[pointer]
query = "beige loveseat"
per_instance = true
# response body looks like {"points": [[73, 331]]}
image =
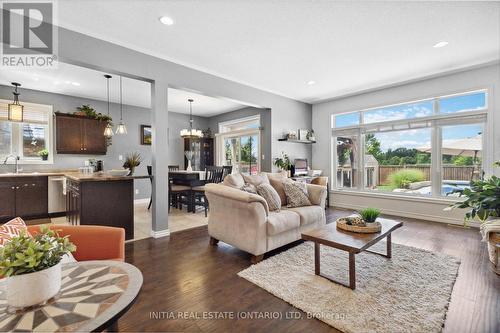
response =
{"points": [[243, 219]]}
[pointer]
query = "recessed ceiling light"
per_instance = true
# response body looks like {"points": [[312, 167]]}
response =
{"points": [[166, 20], [75, 83], [440, 44], [310, 83]]}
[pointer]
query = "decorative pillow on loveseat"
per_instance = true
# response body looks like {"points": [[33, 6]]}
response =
{"points": [[12, 229], [257, 179], [296, 193], [269, 194]]}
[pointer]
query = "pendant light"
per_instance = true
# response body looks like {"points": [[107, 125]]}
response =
{"points": [[191, 133], [16, 109], [108, 131], [121, 126]]}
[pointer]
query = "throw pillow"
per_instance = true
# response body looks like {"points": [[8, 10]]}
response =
{"points": [[270, 195], [250, 188], [12, 229], [296, 194], [256, 179], [276, 181], [234, 180]]}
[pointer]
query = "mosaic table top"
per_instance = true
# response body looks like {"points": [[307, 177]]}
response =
{"points": [[93, 294]]}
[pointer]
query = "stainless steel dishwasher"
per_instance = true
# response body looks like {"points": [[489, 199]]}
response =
{"points": [[57, 195]]}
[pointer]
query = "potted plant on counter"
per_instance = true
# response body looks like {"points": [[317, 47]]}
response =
{"points": [[32, 266], [132, 161], [482, 200], [44, 154]]}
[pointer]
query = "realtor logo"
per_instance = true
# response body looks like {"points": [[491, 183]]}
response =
{"points": [[29, 34]]}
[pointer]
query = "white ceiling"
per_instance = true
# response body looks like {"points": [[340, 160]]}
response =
{"points": [[279, 46], [83, 82]]}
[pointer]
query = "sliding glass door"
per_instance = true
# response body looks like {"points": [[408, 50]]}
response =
{"points": [[242, 152]]}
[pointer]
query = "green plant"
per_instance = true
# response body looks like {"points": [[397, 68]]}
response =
{"points": [[43, 152], [91, 113], [24, 254], [369, 215], [496, 164], [403, 178], [283, 162], [482, 199], [87, 110], [132, 160]]}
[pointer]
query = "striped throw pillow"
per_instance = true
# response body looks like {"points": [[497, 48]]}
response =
{"points": [[269, 194]]}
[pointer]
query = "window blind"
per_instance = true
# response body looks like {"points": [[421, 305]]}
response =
{"points": [[32, 113]]}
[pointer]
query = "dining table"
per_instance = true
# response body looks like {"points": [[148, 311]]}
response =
{"points": [[189, 178]]}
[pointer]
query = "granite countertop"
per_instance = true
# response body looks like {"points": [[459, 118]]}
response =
{"points": [[74, 175]]}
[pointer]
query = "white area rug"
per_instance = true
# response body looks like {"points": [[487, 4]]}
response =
{"points": [[408, 293]]}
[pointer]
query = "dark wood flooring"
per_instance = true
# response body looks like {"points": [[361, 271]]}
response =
{"points": [[183, 274]]}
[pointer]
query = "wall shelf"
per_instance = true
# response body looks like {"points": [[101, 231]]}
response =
{"points": [[307, 142]]}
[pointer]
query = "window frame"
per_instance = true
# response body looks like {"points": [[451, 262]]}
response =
{"points": [[437, 121], [17, 137]]}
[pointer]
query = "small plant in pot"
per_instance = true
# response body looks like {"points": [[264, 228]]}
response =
{"points": [[132, 161], [482, 200], [32, 266], [369, 215], [44, 154], [283, 162]]}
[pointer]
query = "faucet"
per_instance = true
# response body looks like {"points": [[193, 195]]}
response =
{"points": [[16, 158]]}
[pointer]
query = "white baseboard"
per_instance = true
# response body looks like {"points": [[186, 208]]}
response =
{"points": [[419, 216], [141, 201], [161, 233]]}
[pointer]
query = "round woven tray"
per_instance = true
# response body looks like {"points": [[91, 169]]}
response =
{"points": [[369, 229]]}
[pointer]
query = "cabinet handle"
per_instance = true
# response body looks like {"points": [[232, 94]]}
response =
{"points": [[33, 184], [25, 185], [84, 148], [13, 187], [17, 187]]}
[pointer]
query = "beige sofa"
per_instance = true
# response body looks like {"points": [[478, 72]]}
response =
{"points": [[243, 219]]}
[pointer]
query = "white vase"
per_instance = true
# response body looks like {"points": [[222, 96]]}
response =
{"points": [[189, 168], [33, 288]]}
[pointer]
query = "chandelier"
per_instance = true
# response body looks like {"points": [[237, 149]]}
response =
{"points": [[191, 133]]}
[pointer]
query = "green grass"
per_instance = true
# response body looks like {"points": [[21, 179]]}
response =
{"points": [[403, 178]]}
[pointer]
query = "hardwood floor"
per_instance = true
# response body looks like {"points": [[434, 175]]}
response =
{"points": [[184, 274]]}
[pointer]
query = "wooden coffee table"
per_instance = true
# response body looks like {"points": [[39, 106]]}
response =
{"points": [[351, 242]]}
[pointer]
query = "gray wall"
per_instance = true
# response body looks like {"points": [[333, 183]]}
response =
{"points": [[177, 122], [265, 122], [122, 144]]}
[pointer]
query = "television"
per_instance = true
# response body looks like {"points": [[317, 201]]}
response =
{"points": [[300, 167]]}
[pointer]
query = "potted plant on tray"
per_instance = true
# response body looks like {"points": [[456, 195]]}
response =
{"points": [[44, 154], [32, 266], [482, 200]]}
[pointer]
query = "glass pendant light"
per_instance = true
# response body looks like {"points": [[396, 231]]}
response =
{"points": [[108, 131], [16, 109], [191, 133], [121, 129]]}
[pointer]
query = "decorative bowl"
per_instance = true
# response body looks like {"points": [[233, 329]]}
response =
{"points": [[119, 172]]}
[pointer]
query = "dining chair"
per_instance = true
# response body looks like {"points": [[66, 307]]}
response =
{"points": [[228, 169], [150, 173], [323, 181], [213, 174]]}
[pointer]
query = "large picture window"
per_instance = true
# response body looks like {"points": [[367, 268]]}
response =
{"points": [[432, 147], [28, 138]]}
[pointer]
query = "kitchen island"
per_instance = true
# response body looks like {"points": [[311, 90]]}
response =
{"points": [[91, 199]]}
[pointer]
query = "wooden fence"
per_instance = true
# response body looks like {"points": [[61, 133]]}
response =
{"points": [[450, 172]]}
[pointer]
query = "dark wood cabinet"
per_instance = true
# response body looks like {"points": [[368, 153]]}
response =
{"points": [[107, 203], [203, 149], [7, 200], [26, 197], [80, 135]]}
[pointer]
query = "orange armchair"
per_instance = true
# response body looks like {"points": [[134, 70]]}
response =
{"points": [[92, 242]]}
